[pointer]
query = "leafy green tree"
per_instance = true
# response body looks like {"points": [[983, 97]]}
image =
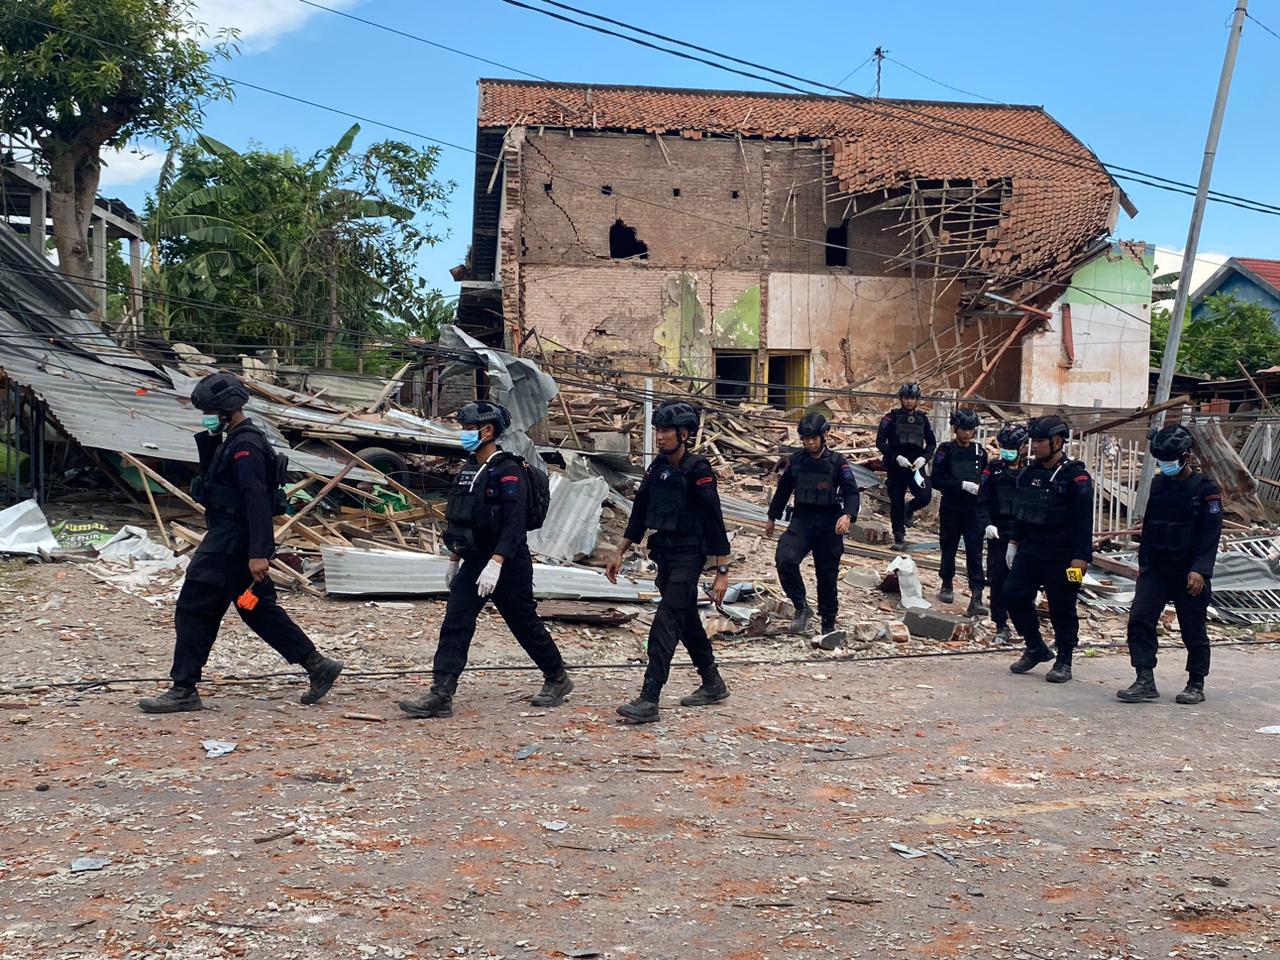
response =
{"points": [[330, 242], [1228, 330], [82, 76]]}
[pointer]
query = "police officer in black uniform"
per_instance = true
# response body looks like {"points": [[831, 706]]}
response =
{"points": [[997, 493], [240, 489], [1180, 534], [678, 502], [826, 505], [906, 442], [957, 469], [1052, 534], [489, 558]]}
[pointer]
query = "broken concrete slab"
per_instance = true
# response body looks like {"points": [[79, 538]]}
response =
{"points": [[938, 625]]}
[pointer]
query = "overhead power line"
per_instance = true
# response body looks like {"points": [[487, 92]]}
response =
{"points": [[885, 109]]}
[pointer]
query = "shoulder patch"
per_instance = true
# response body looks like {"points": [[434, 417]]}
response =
{"points": [[242, 453], [1215, 504], [703, 481], [511, 478]]}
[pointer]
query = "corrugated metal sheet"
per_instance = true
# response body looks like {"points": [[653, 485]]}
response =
{"points": [[350, 572], [107, 408], [516, 383], [572, 526]]}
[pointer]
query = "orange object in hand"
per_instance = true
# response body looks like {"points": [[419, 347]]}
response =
{"points": [[247, 600]]}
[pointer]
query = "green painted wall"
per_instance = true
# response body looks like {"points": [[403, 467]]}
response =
{"points": [[737, 327], [1116, 277]]}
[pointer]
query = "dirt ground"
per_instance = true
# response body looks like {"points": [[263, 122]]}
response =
{"points": [[1052, 822]]}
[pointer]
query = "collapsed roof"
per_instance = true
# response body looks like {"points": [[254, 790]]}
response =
{"points": [[1058, 198]]}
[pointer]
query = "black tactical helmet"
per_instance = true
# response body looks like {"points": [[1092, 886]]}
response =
{"points": [[1171, 443], [1046, 428], [813, 425], [1012, 436], [909, 390], [965, 419], [481, 412], [219, 393], [676, 413]]}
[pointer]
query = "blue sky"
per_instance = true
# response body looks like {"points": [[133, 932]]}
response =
{"points": [[1134, 81]]}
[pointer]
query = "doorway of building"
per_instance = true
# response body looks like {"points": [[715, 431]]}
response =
{"points": [[734, 373], [788, 378]]}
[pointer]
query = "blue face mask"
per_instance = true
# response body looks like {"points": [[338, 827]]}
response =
{"points": [[212, 422], [1170, 468], [1009, 455], [470, 440]]}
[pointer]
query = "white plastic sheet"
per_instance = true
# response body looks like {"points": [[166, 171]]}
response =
{"points": [[25, 529]]}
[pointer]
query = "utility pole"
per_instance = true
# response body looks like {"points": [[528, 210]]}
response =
{"points": [[1165, 384]]}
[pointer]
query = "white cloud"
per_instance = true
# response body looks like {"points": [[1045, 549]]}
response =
{"points": [[260, 22], [130, 165], [1170, 261]]}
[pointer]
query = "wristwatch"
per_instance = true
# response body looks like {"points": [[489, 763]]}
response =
{"points": [[723, 568]]}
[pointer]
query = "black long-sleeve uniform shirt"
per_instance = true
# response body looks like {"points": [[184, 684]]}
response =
{"points": [[887, 444], [704, 502], [244, 465], [1071, 489], [846, 486], [1199, 506], [997, 479]]}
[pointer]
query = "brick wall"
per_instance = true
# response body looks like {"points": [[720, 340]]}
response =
{"points": [[569, 223]]}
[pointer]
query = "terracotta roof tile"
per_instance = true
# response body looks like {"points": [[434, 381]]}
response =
{"points": [[1268, 270], [1061, 196]]}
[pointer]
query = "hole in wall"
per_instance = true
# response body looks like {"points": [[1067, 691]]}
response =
{"points": [[546, 187], [607, 190], [624, 244], [675, 191], [837, 248], [733, 194]]}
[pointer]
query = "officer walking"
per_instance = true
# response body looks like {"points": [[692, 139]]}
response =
{"points": [[489, 559], [906, 442], [240, 489], [1180, 534], [678, 502], [826, 504], [1051, 546], [997, 493], [957, 468]]}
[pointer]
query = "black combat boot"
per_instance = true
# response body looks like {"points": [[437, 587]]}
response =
{"points": [[801, 621], [640, 710], [1003, 633], [976, 609], [713, 690], [323, 672], [1194, 692], [1031, 657], [1143, 688], [437, 703], [946, 594], [1060, 672], [900, 546], [554, 690], [177, 699]]}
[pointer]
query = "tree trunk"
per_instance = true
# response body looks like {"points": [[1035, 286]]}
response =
{"points": [[73, 181], [335, 320]]}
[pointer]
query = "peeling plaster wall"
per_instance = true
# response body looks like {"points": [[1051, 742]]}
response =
{"points": [[644, 317], [1112, 340], [851, 324]]}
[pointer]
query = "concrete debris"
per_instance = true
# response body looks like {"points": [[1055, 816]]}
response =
{"points": [[88, 864], [216, 749], [939, 625]]}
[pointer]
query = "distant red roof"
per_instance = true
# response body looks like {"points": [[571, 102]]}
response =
{"points": [[1061, 197], [1268, 270]]}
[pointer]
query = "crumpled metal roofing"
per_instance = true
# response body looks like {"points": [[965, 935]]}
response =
{"points": [[352, 572], [572, 526], [1061, 196]]}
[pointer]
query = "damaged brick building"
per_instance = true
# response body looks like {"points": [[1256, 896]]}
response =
{"points": [[791, 241]]}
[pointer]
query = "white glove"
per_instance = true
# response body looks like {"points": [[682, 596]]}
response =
{"points": [[917, 463], [992, 532], [969, 486], [1009, 554], [488, 578], [452, 572], [903, 462]]}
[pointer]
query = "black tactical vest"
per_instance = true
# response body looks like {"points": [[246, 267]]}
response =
{"points": [[1174, 512], [467, 512], [216, 489], [964, 462], [668, 511], [908, 429], [1044, 496], [1004, 486], [816, 480]]}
